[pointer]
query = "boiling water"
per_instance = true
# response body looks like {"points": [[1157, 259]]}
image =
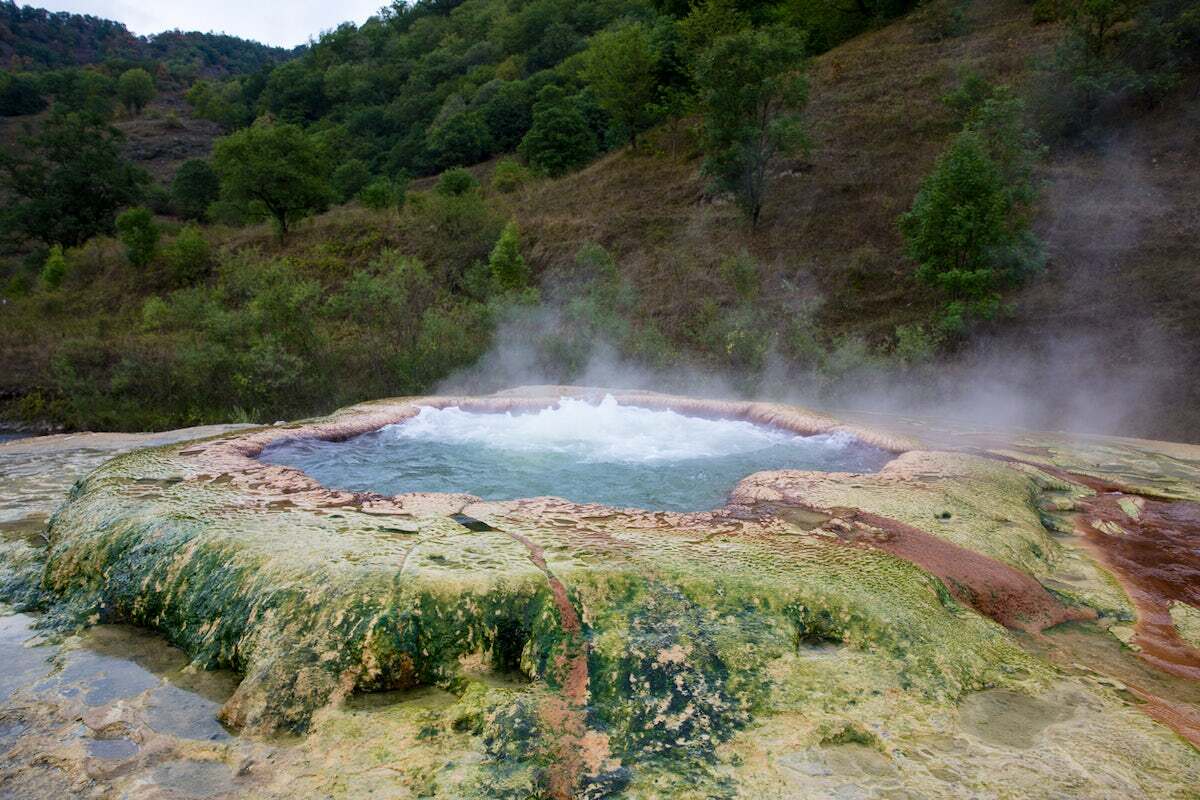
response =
{"points": [[597, 453]]}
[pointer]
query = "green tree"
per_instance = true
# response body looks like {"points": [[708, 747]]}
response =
{"points": [[751, 91], [709, 21], [195, 188], [508, 269], [65, 184], [620, 68], [276, 167], [507, 110], [456, 182], [509, 175], [19, 95], [461, 139], [139, 233], [967, 231], [1096, 22], [561, 139], [384, 193], [55, 268], [135, 88], [349, 179]]}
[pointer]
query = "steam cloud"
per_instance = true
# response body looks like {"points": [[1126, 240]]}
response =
{"points": [[1071, 362]]}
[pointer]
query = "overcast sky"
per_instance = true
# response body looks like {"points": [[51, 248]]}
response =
{"points": [[271, 21]]}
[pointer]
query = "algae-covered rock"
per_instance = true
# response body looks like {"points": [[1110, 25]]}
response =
{"points": [[579, 650]]}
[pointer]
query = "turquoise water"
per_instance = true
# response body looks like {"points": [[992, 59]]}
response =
{"points": [[590, 453]]}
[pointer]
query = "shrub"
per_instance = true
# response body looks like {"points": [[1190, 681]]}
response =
{"points": [[138, 232], [187, 257], [19, 95], [55, 268], [741, 273], [383, 193], [508, 269], [509, 175], [914, 345], [135, 88], [943, 20], [349, 179], [195, 187], [456, 182]]}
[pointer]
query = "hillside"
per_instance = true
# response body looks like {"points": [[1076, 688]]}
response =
{"points": [[33, 38], [1107, 338], [819, 302]]}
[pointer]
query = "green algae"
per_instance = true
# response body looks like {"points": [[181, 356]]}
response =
{"points": [[700, 636], [1186, 619]]}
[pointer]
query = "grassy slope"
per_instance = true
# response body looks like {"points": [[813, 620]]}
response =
{"points": [[1119, 222], [829, 227], [1121, 288]]}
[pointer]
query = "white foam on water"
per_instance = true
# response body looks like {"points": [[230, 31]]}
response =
{"points": [[605, 432]]}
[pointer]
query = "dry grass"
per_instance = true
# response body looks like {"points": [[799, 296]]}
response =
{"points": [[829, 229]]}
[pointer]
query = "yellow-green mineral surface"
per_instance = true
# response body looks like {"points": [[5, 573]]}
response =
{"points": [[980, 618]]}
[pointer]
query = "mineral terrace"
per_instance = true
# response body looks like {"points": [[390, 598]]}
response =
{"points": [[988, 616]]}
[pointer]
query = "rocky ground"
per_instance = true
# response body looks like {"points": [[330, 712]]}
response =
{"points": [[988, 616]]}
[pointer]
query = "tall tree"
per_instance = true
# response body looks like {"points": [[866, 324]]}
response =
{"points": [[560, 139], [751, 91], [278, 167], [620, 68], [195, 188], [66, 183]]}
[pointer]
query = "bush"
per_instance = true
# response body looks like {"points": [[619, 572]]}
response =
{"points": [[138, 232], [462, 139], [914, 345], [195, 187], [349, 179], [135, 88], [19, 95], [508, 269], [456, 182], [383, 193], [55, 268], [509, 175], [187, 257], [453, 231]]}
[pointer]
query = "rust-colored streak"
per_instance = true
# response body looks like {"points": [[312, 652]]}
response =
{"points": [[576, 750], [992, 588], [1156, 557], [1183, 719]]}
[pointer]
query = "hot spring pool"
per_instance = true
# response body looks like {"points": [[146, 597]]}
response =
{"points": [[590, 453]]}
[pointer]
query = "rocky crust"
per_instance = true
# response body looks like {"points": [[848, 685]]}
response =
{"points": [[588, 651]]}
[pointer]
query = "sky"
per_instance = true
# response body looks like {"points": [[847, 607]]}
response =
{"points": [[269, 21]]}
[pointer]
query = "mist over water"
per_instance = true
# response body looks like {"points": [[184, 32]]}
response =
{"points": [[1121, 382], [596, 453]]}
